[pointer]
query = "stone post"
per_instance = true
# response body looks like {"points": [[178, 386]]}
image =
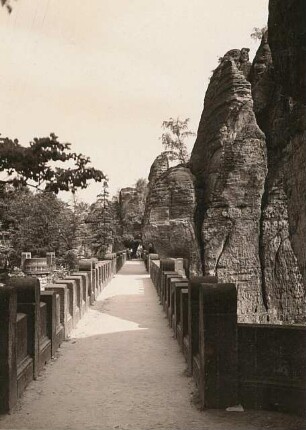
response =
{"points": [[150, 257], [8, 365], [218, 346], [28, 302], [75, 298], [24, 257], [49, 297], [193, 315]]}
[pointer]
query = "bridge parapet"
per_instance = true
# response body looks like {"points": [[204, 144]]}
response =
{"points": [[259, 366], [33, 324]]}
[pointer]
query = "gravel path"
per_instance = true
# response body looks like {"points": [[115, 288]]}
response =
{"points": [[122, 369]]}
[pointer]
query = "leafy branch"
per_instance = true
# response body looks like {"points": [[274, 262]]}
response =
{"points": [[173, 139], [34, 164]]}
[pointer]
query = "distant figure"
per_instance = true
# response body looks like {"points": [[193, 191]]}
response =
{"points": [[134, 248], [151, 248], [139, 251]]}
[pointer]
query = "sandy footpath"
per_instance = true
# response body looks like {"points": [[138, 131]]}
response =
{"points": [[122, 369]]}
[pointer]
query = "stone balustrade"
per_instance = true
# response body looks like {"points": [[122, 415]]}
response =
{"points": [[258, 366], [34, 323]]}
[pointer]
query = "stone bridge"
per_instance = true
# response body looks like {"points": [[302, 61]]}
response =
{"points": [[95, 351]]}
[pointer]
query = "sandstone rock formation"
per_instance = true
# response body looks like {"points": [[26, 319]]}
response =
{"points": [[169, 216], [282, 118], [229, 163], [252, 219], [248, 170], [287, 39], [159, 166]]}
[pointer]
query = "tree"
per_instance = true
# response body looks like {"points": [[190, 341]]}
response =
{"points": [[173, 139], [100, 219], [258, 32], [37, 223], [36, 166], [79, 227], [7, 4], [141, 186]]}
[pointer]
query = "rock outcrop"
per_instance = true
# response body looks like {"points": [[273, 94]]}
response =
{"points": [[243, 202], [282, 118], [169, 216], [287, 39], [249, 161], [159, 166], [229, 163]]}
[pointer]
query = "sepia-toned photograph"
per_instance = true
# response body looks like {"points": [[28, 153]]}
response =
{"points": [[153, 214]]}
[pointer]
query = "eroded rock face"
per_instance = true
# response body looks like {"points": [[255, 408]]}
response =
{"points": [[262, 79], [282, 229], [229, 163], [241, 59], [252, 218], [287, 39], [169, 217], [159, 166], [249, 164]]}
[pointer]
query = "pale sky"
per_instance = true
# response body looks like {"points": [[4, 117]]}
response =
{"points": [[104, 74]]}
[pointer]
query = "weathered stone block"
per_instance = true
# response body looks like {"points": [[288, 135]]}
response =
{"points": [[45, 336], [66, 306], [218, 346], [193, 317], [25, 371], [74, 298], [169, 297], [81, 292], [175, 302], [86, 286], [272, 367], [28, 302], [8, 362], [55, 328]]}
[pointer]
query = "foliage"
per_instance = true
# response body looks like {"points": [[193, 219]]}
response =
{"points": [[60, 272], [70, 259], [79, 228], [141, 186], [258, 32], [7, 257], [16, 272], [173, 139], [7, 4], [127, 240], [37, 223], [101, 222], [34, 165]]}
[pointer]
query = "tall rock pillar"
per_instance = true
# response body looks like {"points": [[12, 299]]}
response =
{"points": [[229, 163]]}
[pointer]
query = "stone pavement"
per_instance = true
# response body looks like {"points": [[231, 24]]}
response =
{"points": [[122, 369]]}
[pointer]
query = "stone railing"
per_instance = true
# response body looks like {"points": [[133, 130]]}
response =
{"points": [[257, 366], [34, 323]]}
